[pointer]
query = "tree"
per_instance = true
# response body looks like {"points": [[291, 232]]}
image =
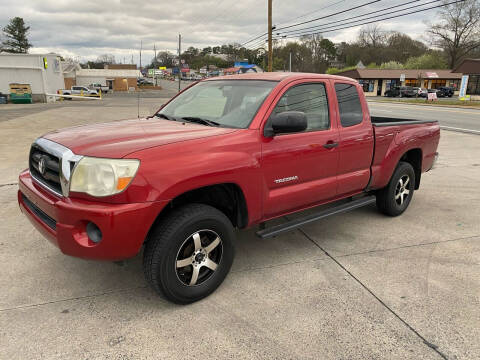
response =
{"points": [[458, 32], [16, 37], [106, 59], [426, 61]]}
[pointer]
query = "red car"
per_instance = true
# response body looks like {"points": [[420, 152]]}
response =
{"points": [[229, 152]]}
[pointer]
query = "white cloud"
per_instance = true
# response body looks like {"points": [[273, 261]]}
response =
{"points": [[90, 28]]}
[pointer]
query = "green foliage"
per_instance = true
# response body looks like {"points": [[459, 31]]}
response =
{"points": [[393, 65], [426, 61], [16, 37], [334, 70]]}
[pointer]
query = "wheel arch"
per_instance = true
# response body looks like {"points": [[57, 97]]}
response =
{"points": [[228, 198], [414, 157]]}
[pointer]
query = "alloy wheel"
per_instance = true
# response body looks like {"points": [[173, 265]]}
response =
{"points": [[198, 257]]}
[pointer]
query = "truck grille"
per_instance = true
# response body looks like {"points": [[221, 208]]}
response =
{"points": [[45, 168]]}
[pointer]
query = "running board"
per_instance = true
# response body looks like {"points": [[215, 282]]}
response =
{"points": [[293, 224]]}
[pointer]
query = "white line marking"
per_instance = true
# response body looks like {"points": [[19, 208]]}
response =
{"points": [[460, 129]]}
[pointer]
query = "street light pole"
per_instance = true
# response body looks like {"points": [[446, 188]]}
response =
{"points": [[270, 50], [179, 61]]}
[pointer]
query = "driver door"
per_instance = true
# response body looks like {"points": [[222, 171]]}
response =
{"points": [[299, 169]]}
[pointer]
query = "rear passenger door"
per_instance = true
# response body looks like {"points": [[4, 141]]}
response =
{"points": [[356, 139], [299, 169]]}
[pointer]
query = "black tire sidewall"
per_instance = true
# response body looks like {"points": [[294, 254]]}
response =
{"points": [[402, 170], [204, 218]]}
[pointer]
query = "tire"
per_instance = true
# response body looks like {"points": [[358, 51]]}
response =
{"points": [[175, 238], [394, 199]]}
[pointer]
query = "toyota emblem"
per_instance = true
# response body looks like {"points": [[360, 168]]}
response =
{"points": [[41, 166]]}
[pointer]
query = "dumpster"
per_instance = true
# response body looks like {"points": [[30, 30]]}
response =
{"points": [[20, 93]]}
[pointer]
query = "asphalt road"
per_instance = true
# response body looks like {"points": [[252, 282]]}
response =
{"points": [[450, 118]]}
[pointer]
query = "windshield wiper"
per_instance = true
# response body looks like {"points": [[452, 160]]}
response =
{"points": [[200, 121], [163, 116]]}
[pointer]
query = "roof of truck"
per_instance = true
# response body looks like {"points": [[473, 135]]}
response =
{"points": [[277, 76]]}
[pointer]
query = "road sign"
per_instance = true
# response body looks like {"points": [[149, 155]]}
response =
{"points": [[463, 86], [402, 77], [432, 96]]}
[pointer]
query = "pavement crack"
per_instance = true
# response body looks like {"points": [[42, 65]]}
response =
{"points": [[21, 307], [410, 327], [9, 184], [408, 246]]}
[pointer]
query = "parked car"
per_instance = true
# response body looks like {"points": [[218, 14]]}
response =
{"points": [[440, 93], [447, 91], [401, 91], [422, 92], [80, 90], [144, 81], [228, 152], [98, 87]]}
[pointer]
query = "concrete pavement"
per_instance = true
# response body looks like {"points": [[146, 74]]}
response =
{"points": [[356, 286]]}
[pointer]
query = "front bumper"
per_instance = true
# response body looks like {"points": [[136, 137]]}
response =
{"points": [[63, 222]]}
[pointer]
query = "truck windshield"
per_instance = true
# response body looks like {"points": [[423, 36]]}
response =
{"points": [[229, 103]]}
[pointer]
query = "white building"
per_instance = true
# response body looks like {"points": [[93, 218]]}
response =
{"points": [[42, 71]]}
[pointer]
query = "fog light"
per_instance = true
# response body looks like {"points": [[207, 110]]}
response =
{"points": [[94, 233]]}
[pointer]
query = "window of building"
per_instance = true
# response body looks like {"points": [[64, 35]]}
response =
{"points": [[310, 99], [473, 87], [455, 84], [367, 85], [436, 83], [348, 104], [412, 82]]}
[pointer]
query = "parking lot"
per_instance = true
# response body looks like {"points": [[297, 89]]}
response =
{"points": [[355, 286]]}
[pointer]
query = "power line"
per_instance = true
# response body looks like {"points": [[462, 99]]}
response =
{"points": [[329, 15], [370, 22], [313, 12], [322, 26], [353, 17]]}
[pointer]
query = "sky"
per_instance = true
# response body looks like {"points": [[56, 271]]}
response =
{"points": [[86, 29]]}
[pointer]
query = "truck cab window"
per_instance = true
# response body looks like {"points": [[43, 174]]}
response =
{"points": [[310, 99], [348, 104]]}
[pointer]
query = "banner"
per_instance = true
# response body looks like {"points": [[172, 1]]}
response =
{"points": [[463, 86]]}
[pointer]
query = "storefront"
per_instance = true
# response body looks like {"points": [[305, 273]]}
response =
{"points": [[375, 82], [471, 67]]}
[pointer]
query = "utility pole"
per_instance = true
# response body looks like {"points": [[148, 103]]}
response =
{"points": [[155, 64], [270, 50], [141, 44], [290, 63], [179, 61]]}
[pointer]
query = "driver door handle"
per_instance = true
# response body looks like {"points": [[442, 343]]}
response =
{"points": [[330, 145]]}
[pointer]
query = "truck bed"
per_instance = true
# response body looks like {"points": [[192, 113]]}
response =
{"points": [[388, 121]]}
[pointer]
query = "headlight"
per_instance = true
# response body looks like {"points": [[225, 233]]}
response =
{"points": [[103, 177]]}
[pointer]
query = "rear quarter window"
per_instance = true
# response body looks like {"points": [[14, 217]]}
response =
{"points": [[348, 104]]}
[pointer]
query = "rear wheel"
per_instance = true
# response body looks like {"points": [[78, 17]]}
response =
{"points": [[189, 253], [394, 199]]}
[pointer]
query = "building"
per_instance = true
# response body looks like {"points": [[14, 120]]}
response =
{"points": [[115, 79], [376, 82], [471, 67], [43, 72]]}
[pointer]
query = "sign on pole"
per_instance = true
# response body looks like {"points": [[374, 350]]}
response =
{"points": [[463, 86]]}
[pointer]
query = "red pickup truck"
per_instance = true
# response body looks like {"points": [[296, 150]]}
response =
{"points": [[229, 152]]}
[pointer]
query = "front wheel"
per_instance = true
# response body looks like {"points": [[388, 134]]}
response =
{"points": [[189, 253], [394, 199]]}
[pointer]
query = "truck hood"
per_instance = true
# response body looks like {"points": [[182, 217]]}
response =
{"points": [[120, 138]]}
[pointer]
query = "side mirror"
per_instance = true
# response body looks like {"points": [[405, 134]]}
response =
{"points": [[286, 122]]}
